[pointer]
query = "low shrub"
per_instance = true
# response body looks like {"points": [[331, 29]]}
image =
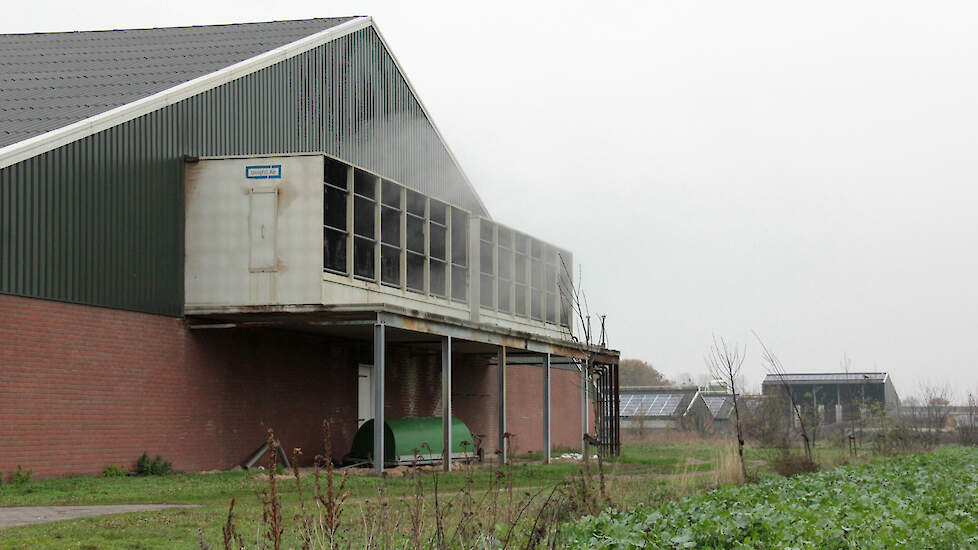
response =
{"points": [[113, 471], [21, 476], [788, 465], [154, 467]]}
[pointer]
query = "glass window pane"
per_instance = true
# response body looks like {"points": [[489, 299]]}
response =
{"points": [[460, 238], [364, 183], [437, 237], [335, 173], [415, 272], [536, 304], [390, 226], [505, 264], [521, 243], [549, 278], [390, 193], [438, 212], [415, 203], [363, 217], [520, 273], [536, 249], [505, 291], [549, 254], [504, 237], [460, 283], [334, 251], [551, 300], [536, 274], [436, 278], [486, 284], [520, 300], [390, 265], [334, 207], [485, 230], [485, 257], [565, 309], [363, 258], [415, 234]]}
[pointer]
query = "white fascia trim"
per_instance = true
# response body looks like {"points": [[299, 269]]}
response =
{"points": [[696, 396], [431, 120], [23, 150]]}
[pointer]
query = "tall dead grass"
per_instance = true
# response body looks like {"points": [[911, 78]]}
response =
{"points": [[499, 516]]}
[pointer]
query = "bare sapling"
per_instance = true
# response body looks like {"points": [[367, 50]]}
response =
{"points": [[846, 365], [725, 362], [776, 368]]}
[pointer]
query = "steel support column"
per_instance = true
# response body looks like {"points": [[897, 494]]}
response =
{"points": [[584, 407], [546, 408], [379, 352], [446, 400], [501, 400]]}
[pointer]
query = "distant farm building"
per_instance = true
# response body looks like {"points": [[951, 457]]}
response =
{"points": [[836, 397], [721, 406], [662, 407]]}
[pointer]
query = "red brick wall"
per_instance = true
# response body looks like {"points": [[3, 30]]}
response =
{"points": [[475, 400], [524, 418], [82, 387]]}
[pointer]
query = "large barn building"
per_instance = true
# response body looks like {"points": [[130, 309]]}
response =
{"points": [[207, 231], [835, 397]]}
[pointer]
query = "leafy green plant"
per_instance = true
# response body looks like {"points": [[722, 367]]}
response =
{"points": [[21, 476], [914, 501], [154, 467], [113, 471]]}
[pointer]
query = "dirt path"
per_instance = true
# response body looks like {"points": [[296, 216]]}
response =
{"points": [[26, 515]]}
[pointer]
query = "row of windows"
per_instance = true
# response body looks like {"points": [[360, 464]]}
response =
{"points": [[523, 276], [383, 232]]}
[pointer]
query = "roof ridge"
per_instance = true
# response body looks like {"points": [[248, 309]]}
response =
{"points": [[207, 26]]}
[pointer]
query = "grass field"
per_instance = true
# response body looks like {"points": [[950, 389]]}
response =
{"points": [[479, 501]]}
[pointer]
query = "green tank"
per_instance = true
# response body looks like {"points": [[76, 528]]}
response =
{"points": [[413, 440]]}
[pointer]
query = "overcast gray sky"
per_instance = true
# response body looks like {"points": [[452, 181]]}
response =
{"points": [[806, 171]]}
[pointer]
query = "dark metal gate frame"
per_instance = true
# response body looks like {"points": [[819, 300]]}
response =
{"points": [[607, 407]]}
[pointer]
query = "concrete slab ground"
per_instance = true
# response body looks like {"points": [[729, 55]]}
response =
{"points": [[26, 515]]}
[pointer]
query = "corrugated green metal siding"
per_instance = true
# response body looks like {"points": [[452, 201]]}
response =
{"points": [[100, 221]]}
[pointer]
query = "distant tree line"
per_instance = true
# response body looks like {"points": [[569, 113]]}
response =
{"points": [[635, 372]]}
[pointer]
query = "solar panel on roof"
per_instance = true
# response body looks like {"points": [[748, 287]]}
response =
{"points": [[715, 403], [644, 404]]}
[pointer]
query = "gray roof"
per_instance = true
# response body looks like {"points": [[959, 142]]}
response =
{"points": [[51, 80], [720, 405], [653, 402], [828, 378]]}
